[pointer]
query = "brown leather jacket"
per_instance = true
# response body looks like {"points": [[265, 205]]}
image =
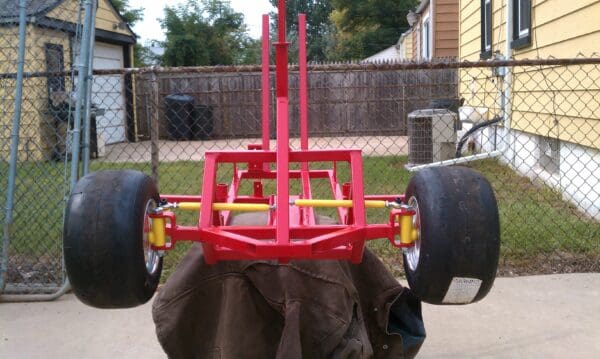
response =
{"points": [[305, 309]]}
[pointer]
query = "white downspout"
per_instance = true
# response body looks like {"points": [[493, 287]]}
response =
{"points": [[507, 105]]}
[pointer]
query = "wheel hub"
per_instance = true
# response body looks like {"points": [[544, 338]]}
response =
{"points": [[413, 253], [151, 257]]}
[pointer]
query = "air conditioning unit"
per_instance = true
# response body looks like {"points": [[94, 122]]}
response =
{"points": [[431, 136]]}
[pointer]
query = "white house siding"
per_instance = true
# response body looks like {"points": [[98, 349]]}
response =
{"points": [[578, 174], [391, 54]]}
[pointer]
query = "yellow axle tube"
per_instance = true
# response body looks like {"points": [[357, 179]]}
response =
{"points": [[259, 207], [335, 203], [241, 207]]}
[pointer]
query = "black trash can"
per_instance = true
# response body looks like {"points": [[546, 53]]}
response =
{"points": [[180, 113], [202, 126]]}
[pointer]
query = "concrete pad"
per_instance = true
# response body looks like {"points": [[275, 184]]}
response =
{"points": [[551, 316], [172, 151], [67, 328]]}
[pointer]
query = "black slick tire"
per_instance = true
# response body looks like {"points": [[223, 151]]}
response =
{"points": [[455, 258], [108, 259]]}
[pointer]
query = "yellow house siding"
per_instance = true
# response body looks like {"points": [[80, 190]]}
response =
{"points": [[470, 28], [409, 46], [106, 18], [559, 28], [66, 11], [36, 131], [563, 29], [547, 102], [571, 129], [38, 128], [415, 43], [498, 26], [583, 45], [8, 61], [559, 104], [44, 134]]}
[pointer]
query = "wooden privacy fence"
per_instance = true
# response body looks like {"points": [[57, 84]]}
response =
{"points": [[341, 102]]}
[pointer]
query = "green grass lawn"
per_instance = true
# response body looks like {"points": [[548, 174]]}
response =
{"points": [[534, 219]]}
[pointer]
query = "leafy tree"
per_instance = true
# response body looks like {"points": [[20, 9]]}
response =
{"points": [[251, 52], [207, 32], [146, 55], [318, 26], [131, 16], [364, 27], [141, 54]]}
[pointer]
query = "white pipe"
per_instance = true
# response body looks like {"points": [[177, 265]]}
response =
{"points": [[456, 161], [508, 70], [507, 105], [8, 298]]}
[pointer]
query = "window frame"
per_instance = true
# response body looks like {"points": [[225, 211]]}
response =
{"points": [[426, 38], [486, 29], [56, 53], [549, 154], [521, 24]]}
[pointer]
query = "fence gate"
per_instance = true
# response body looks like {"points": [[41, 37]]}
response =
{"points": [[45, 52]]}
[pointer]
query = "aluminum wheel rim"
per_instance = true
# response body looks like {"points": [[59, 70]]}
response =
{"points": [[413, 253], [151, 257]]}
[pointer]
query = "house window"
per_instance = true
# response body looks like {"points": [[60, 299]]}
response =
{"points": [[486, 29], [549, 158], [426, 38], [521, 24], [55, 62]]}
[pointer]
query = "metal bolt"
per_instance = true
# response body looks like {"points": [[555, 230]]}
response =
{"points": [[385, 347]]}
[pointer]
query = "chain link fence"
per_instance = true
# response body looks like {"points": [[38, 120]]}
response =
{"points": [[37, 103], [532, 127]]}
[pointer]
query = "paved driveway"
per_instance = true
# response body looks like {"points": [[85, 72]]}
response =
{"points": [[194, 150], [555, 316]]}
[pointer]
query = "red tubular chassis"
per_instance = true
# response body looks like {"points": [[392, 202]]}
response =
{"points": [[291, 235]]}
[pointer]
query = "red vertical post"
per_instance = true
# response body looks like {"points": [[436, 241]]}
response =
{"points": [[308, 216], [283, 135], [208, 197], [283, 174], [358, 203], [303, 82], [266, 85], [281, 53]]}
